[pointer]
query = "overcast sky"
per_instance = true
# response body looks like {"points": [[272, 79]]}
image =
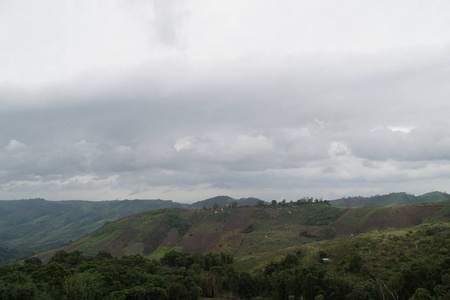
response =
{"points": [[190, 99]]}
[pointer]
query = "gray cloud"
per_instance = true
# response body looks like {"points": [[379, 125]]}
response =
{"points": [[269, 130], [167, 20]]}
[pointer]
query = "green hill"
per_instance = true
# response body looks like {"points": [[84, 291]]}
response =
{"points": [[410, 263], [39, 225], [36, 225], [246, 231], [223, 201], [390, 199]]}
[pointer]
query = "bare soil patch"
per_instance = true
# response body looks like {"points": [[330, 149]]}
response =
{"points": [[121, 242], [171, 238], [238, 219], [202, 242], [154, 238]]}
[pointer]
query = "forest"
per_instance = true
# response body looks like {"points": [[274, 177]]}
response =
{"points": [[409, 263]]}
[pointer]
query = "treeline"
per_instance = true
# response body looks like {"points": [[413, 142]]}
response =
{"points": [[275, 203], [398, 265], [73, 275], [298, 202]]}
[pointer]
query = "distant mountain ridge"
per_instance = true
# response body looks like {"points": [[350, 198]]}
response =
{"points": [[222, 201], [390, 199]]}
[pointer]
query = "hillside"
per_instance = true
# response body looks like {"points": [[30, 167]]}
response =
{"points": [[246, 231], [36, 225], [223, 201], [10, 255], [410, 263], [390, 199], [39, 225]]}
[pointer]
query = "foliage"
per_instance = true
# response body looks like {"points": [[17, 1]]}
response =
{"points": [[401, 264], [176, 275], [398, 264], [248, 229], [11, 254], [176, 221], [43, 225]]}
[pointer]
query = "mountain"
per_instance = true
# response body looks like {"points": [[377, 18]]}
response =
{"points": [[222, 201], [390, 199], [246, 230], [39, 225], [36, 225]]}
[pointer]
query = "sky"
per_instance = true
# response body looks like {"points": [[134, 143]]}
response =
{"points": [[190, 99]]}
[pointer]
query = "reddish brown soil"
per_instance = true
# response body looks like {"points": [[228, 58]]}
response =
{"points": [[119, 243], [171, 238], [202, 242], [238, 219], [154, 238]]}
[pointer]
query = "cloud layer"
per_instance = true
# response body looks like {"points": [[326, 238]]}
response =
{"points": [[185, 122]]}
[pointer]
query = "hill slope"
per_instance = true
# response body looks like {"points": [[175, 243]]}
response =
{"points": [[36, 225], [246, 230], [398, 264], [39, 225]]}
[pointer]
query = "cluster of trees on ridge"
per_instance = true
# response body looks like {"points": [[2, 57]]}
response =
{"points": [[392, 265], [274, 203]]}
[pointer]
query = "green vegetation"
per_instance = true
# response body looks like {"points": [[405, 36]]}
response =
{"points": [[390, 199], [39, 225], [411, 263], [12, 254], [247, 230]]}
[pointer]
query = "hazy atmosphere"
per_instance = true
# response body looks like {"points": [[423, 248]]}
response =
{"points": [[189, 99]]}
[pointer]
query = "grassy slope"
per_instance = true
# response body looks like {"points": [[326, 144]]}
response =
{"points": [[380, 250]]}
